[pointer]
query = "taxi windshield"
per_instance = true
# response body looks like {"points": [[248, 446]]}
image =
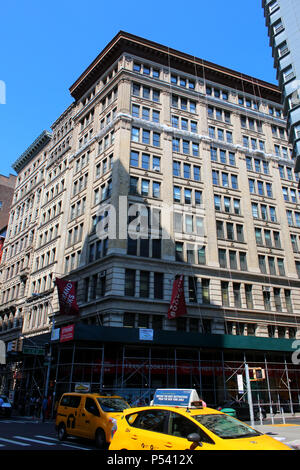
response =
{"points": [[112, 405], [225, 426]]}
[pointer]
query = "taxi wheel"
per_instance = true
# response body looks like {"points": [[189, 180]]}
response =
{"points": [[61, 433], [100, 439]]}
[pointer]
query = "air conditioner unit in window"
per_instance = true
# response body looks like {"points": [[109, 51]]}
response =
{"points": [[156, 168], [266, 289]]}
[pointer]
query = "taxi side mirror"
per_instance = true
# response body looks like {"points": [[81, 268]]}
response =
{"points": [[195, 439]]}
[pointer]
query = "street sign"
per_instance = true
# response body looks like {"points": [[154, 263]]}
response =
{"points": [[34, 350]]}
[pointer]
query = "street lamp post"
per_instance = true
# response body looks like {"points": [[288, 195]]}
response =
{"points": [[50, 354]]}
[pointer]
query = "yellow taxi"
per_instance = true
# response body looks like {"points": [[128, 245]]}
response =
{"points": [[89, 415], [176, 428]]}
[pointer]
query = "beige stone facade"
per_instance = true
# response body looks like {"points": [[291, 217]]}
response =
{"points": [[162, 129]]}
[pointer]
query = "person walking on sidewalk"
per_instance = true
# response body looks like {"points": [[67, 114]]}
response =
{"points": [[44, 408]]}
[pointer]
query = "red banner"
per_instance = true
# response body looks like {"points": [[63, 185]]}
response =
{"points": [[177, 306], [1, 247], [66, 333], [67, 297]]}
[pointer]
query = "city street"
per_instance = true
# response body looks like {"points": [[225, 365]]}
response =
{"points": [[17, 433]]}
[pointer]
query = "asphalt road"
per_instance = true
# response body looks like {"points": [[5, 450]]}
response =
{"points": [[23, 434]]}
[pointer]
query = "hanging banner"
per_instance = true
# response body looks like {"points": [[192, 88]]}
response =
{"points": [[177, 306], [67, 297], [2, 239]]}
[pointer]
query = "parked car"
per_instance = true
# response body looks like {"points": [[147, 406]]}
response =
{"points": [[6, 408], [242, 409]]}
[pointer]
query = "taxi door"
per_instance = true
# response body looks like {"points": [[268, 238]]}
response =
{"points": [[146, 430], [88, 420], [179, 427]]}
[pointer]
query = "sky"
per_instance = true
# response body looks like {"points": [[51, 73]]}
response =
{"points": [[45, 46]]}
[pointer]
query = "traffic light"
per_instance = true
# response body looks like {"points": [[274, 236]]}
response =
{"points": [[256, 374]]}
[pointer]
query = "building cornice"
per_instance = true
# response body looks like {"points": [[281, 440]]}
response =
{"points": [[40, 142], [168, 57]]}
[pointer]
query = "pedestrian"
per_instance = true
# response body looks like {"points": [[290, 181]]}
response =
{"points": [[49, 406], [32, 406], [44, 408], [37, 409]]}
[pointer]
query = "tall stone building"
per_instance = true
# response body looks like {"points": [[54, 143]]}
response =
{"points": [[162, 141], [282, 20]]}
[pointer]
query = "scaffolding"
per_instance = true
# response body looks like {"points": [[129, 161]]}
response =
{"points": [[135, 372]]}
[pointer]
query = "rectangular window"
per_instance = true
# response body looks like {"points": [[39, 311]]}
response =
{"points": [[130, 282]]}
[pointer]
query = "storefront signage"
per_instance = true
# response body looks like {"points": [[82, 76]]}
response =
{"points": [[55, 334], [146, 334], [35, 351], [82, 387], [67, 333]]}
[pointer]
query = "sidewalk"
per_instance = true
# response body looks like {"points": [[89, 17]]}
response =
{"points": [[287, 433]]}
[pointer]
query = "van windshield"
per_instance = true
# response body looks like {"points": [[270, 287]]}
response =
{"points": [[225, 426], [112, 405]]}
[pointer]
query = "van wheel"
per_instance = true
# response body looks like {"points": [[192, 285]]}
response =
{"points": [[100, 439], [61, 433]]}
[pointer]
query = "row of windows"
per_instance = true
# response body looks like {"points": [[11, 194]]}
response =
{"points": [[105, 165], [143, 112], [186, 195], [257, 165], [48, 235], [251, 124], [275, 265], [45, 259], [72, 261], [97, 250], [184, 124], [108, 118], [227, 204], [260, 187], [145, 161], [52, 212], [82, 161], [54, 191], [146, 92], [145, 288], [145, 136], [293, 218], [106, 142], [187, 223], [185, 104], [190, 253], [233, 259], [80, 184], [220, 134], [254, 143], [286, 172], [144, 187], [264, 212], [103, 192], [266, 237], [230, 231], [219, 114], [185, 146], [75, 234], [290, 194], [224, 179], [186, 170], [222, 156], [94, 286], [145, 247]]}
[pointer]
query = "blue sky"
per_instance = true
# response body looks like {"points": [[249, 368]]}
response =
{"points": [[45, 46]]}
